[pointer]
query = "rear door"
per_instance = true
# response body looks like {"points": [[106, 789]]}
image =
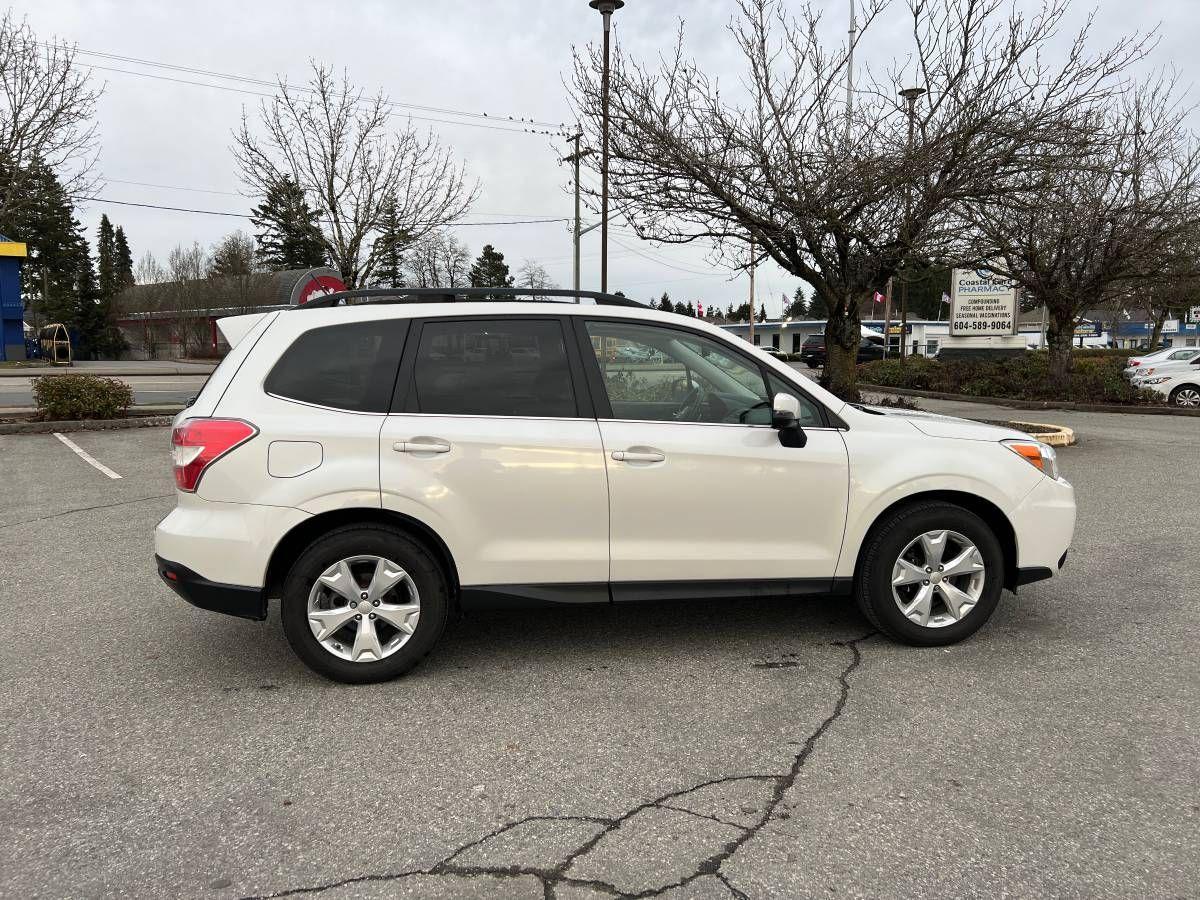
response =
{"points": [[701, 490], [492, 442]]}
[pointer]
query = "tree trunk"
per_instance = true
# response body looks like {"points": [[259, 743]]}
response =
{"points": [[1059, 334], [1160, 319], [843, 333]]}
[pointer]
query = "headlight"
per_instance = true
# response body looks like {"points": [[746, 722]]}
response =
{"points": [[1041, 456]]}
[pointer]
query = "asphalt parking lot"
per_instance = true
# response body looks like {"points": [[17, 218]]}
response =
{"points": [[757, 749]]}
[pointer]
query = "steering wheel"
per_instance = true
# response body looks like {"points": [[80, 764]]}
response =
{"points": [[692, 407]]}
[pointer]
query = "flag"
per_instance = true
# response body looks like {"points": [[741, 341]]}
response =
{"points": [[878, 298], [700, 308], [945, 297]]}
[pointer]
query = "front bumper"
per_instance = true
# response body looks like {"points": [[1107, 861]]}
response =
{"points": [[1044, 524], [230, 599]]}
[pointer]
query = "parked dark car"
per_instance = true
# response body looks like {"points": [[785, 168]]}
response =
{"points": [[812, 351]]}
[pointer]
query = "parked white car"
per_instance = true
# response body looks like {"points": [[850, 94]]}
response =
{"points": [[1181, 366], [1137, 365], [376, 461], [1178, 387]]}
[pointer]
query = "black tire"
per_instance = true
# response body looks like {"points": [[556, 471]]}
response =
{"points": [[873, 584], [354, 540]]}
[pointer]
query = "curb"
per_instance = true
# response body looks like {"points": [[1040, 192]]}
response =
{"points": [[108, 372], [1055, 435], [1163, 410], [84, 425]]}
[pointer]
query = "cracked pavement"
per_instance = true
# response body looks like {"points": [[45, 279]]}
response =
{"points": [[687, 750]]}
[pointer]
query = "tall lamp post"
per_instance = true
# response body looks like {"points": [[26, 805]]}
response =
{"points": [[910, 96], [606, 8]]}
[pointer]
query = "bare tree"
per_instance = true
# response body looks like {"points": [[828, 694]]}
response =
{"points": [[47, 107], [185, 291], [338, 145], [534, 276], [832, 195], [1115, 220], [438, 260]]}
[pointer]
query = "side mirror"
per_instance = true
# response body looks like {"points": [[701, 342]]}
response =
{"points": [[785, 410]]}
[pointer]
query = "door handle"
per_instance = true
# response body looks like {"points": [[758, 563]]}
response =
{"points": [[421, 447], [643, 456]]}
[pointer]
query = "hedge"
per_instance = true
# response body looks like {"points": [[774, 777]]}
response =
{"points": [[81, 397], [1094, 378]]}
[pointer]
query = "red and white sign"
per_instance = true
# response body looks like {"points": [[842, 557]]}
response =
{"points": [[314, 286]]}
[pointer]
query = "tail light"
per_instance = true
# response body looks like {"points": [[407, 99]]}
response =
{"points": [[198, 443], [1135, 362]]}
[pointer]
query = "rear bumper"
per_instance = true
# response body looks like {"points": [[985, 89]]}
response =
{"points": [[230, 599]]}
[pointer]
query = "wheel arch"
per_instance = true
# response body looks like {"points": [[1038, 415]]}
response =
{"points": [[1179, 387], [985, 509], [292, 544]]}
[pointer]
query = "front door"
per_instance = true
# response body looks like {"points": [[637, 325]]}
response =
{"points": [[700, 488], [497, 451]]}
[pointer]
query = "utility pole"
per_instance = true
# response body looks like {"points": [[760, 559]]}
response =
{"points": [[606, 9], [850, 71], [910, 95], [752, 289], [574, 158], [887, 320]]}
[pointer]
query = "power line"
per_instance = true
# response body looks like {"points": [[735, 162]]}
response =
{"points": [[495, 123], [212, 73], [214, 212]]}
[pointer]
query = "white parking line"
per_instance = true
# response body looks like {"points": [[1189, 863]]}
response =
{"points": [[86, 457]]}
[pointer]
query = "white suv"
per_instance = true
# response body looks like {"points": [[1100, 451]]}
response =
{"points": [[377, 459]]}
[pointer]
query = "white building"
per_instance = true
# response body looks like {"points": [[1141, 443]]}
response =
{"points": [[925, 336]]}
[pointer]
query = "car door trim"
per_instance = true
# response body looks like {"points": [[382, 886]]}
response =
{"points": [[513, 596]]}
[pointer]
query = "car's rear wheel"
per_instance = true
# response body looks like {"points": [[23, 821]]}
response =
{"points": [[364, 603], [1187, 396], [931, 574]]}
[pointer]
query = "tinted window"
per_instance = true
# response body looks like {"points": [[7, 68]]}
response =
{"points": [[506, 367], [667, 375], [351, 366]]}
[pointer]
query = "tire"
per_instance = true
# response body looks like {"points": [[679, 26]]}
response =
{"points": [[423, 575], [1186, 396], [881, 555]]}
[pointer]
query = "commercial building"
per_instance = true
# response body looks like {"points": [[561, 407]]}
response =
{"points": [[924, 337]]}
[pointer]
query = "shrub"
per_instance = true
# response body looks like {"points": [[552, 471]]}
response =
{"points": [[81, 397], [1095, 378]]}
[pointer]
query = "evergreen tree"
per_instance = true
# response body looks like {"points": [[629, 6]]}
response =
{"points": [[490, 269], [762, 313], [124, 261], [729, 313], [46, 223], [798, 308], [389, 248], [817, 308], [690, 309], [286, 229], [106, 259], [665, 303], [680, 309]]}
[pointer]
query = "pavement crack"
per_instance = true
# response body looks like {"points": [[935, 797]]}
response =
{"points": [[551, 878], [70, 512]]}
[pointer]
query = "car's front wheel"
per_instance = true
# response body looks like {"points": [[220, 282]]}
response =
{"points": [[931, 574], [364, 603]]}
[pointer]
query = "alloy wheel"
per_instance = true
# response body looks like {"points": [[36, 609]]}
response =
{"points": [[938, 578], [363, 608], [1188, 396]]}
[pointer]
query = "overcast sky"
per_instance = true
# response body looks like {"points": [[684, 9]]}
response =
{"points": [[465, 55]]}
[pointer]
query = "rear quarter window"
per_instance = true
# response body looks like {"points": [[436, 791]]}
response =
{"points": [[351, 366]]}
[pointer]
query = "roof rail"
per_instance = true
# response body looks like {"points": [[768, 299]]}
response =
{"points": [[460, 295]]}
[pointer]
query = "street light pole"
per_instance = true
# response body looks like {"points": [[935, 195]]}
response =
{"points": [[606, 9], [910, 95]]}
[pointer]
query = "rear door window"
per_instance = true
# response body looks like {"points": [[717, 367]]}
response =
{"points": [[351, 366], [495, 367]]}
